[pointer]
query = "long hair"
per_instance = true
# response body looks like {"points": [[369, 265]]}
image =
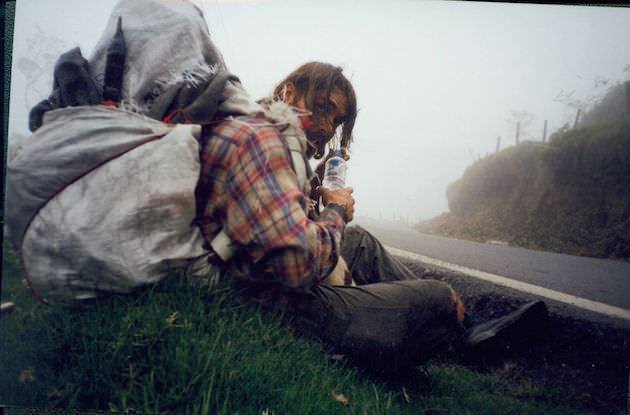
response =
{"points": [[314, 77]]}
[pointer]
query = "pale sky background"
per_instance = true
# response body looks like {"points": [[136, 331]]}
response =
{"points": [[436, 81]]}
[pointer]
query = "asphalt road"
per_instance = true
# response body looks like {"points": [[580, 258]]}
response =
{"points": [[600, 280]]}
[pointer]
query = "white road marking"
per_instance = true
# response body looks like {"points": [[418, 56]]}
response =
{"points": [[579, 302]]}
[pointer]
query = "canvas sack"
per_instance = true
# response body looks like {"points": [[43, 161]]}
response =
{"points": [[101, 200]]}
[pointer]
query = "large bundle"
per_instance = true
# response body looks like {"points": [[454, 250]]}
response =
{"points": [[102, 199]]}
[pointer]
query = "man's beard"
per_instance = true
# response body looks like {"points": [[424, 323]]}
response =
{"points": [[313, 149]]}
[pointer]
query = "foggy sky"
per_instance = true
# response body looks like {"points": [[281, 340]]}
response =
{"points": [[436, 82]]}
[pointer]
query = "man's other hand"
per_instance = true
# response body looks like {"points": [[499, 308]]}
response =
{"points": [[342, 197]]}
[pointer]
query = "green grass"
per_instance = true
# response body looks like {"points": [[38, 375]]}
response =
{"points": [[183, 348]]}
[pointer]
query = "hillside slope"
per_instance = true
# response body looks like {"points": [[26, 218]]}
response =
{"points": [[571, 195]]}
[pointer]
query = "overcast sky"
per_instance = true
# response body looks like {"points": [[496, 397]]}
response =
{"points": [[437, 82]]}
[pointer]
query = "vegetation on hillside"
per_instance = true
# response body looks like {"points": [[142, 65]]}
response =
{"points": [[570, 195]]}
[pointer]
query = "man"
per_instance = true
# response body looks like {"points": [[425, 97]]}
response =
{"points": [[251, 202], [249, 188], [256, 190]]}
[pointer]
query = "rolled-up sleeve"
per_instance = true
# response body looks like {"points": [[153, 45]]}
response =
{"points": [[264, 213]]}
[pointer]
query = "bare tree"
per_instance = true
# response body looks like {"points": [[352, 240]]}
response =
{"points": [[580, 105]]}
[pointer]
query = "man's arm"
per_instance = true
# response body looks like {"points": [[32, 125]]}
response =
{"points": [[264, 212]]}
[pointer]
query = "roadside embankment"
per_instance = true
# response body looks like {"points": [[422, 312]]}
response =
{"points": [[569, 195]]}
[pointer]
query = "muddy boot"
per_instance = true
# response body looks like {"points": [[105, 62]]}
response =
{"points": [[518, 329]]}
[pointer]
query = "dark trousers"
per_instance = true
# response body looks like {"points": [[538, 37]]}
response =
{"points": [[391, 320]]}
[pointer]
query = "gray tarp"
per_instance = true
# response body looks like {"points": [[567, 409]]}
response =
{"points": [[96, 218], [102, 199]]}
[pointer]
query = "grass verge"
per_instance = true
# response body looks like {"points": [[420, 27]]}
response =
{"points": [[182, 348]]}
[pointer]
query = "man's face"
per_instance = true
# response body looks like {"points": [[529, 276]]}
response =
{"points": [[328, 114]]}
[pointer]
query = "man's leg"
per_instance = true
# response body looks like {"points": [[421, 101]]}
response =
{"points": [[368, 260], [386, 326]]}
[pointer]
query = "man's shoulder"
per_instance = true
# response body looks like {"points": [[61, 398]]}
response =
{"points": [[245, 125], [249, 130]]}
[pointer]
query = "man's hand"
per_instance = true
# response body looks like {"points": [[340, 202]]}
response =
{"points": [[342, 197], [321, 166]]}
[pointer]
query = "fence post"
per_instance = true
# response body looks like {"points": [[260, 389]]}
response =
{"points": [[577, 117], [518, 132], [628, 96], [545, 132], [498, 144]]}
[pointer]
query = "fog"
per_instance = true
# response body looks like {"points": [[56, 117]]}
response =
{"points": [[436, 82]]}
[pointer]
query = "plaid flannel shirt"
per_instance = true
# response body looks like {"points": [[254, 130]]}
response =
{"points": [[248, 186]]}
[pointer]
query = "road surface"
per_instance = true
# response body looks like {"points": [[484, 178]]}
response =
{"points": [[590, 280]]}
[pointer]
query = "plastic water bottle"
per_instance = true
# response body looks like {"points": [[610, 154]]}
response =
{"points": [[335, 172]]}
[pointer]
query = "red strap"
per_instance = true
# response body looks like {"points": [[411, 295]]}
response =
{"points": [[169, 117], [307, 121]]}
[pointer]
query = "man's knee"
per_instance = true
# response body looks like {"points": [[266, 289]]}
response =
{"points": [[438, 299], [355, 237]]}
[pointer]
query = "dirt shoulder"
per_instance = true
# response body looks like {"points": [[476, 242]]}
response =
{"points": [[582, 353]]}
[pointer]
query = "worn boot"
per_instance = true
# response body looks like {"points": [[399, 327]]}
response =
{"points": [[514, 330]]}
